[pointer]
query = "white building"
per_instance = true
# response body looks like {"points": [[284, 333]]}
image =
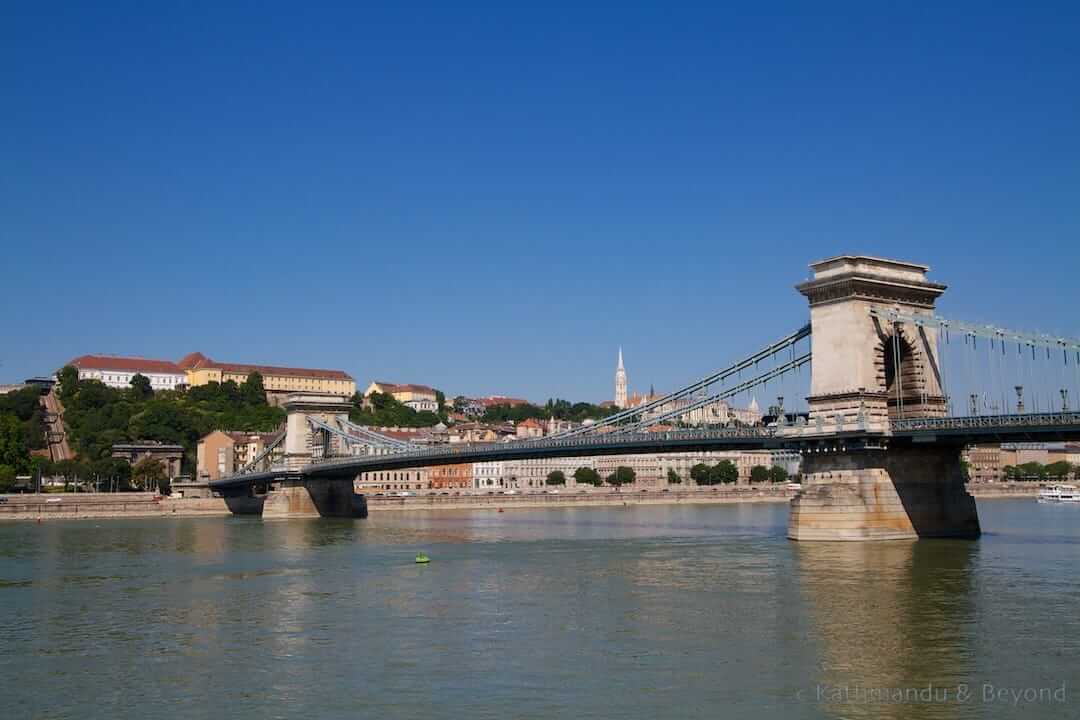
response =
{"points": [[650, 470], [117, 371], [422, 405], [393, 480], [620, 383]]}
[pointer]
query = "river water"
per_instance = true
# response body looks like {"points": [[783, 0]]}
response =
{"points": [[640, 612]]}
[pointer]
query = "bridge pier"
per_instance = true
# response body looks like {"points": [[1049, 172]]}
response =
{"points": [[314, 497], [877, 494]]}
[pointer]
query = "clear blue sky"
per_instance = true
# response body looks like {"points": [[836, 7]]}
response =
{"points": [[493, 199]]}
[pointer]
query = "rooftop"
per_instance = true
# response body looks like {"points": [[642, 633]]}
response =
{"points": [[267, 370], [404, 387], [118, 363]]}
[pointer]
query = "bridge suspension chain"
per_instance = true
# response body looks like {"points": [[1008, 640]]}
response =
{"points": [[988, 378], [265, 454], [702, 385], [760, 380], [375, 437], [366, 437]]}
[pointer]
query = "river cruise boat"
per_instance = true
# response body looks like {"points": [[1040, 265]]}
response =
{"points": [[1059, 494]]}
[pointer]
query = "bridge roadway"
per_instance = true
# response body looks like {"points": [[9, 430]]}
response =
{"points": [[1046, 427]]}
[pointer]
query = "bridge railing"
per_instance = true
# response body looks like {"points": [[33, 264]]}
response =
{"points": [[607, 440], [976, 422]]}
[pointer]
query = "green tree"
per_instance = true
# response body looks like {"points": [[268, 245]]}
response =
{"points": [[110, 474], [7, 478], [965, 470], [702, 474], [1059, 469], [382, 409], [726, 472], [587, 476], [68, 378], [13, 447], [252, 391], [148, 473], [778, 474], [40, 467], [440, 399], [623, 475], [70, 470], [673, 477], [140, 386], [759, 474], [556, 477], [1031, 471], [512, 413]]}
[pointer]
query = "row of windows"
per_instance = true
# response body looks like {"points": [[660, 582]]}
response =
{"points": [[125, 378]]}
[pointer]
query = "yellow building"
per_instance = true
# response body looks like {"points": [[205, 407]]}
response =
{"points": [[201, 370], [222, 453], [418, 397]]}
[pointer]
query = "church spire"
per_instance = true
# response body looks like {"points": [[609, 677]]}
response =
{"points": [[620, 383]]}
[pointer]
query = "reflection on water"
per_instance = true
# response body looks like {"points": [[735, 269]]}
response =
{"points": [[888, 617], [638, 613]]}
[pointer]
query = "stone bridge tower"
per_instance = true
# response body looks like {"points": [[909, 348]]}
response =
{"points": [[293, 495], [863, 362], [864, 365], [300, 442]]}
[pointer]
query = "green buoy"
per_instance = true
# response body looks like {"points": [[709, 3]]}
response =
{"points": [[422, 559]]}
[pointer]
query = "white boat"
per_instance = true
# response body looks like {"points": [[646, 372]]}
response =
{"points": [[1059, 494]]}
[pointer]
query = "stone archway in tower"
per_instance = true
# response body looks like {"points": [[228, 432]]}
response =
{"points": [[902, 367]]}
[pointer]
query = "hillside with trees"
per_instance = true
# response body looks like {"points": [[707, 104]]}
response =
{"points": [[98, 416], [383, 410], [22, 429], [556, 408]]}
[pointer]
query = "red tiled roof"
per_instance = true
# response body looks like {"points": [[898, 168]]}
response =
{"points": [[397, 434], [109, 362], [493, 400], [193, 361], [406, 387], [243, 437], [198, 361]]}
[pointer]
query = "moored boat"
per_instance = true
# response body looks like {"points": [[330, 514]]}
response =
{"points": [[1059, 494]]}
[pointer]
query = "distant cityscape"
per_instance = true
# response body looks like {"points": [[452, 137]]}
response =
{"points": [[460, 419], [430, 418]]}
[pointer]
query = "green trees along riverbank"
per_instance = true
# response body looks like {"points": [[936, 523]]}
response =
{"points": [[97, 417]]}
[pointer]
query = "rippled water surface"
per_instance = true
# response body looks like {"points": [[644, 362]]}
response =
{"points": [[641, 612]]}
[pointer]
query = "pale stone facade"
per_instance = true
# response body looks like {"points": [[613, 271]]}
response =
{"points": [[221, 453], [418, 397], [169, 455], [411, 480], [854, 353], [201, 370], [620, 383], [650, 470], [117, 372], [870, 492]]}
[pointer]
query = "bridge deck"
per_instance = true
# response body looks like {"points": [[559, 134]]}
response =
{"points": [[954, 431]]}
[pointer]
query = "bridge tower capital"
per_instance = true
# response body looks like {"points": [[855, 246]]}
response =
{"points": [[862, 364], [299, 407]]}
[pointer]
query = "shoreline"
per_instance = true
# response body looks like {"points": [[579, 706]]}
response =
{"points": [[76, 506], [586, 499]]}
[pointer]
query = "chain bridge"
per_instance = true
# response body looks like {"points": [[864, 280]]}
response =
{"points": [[893, 392]]}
